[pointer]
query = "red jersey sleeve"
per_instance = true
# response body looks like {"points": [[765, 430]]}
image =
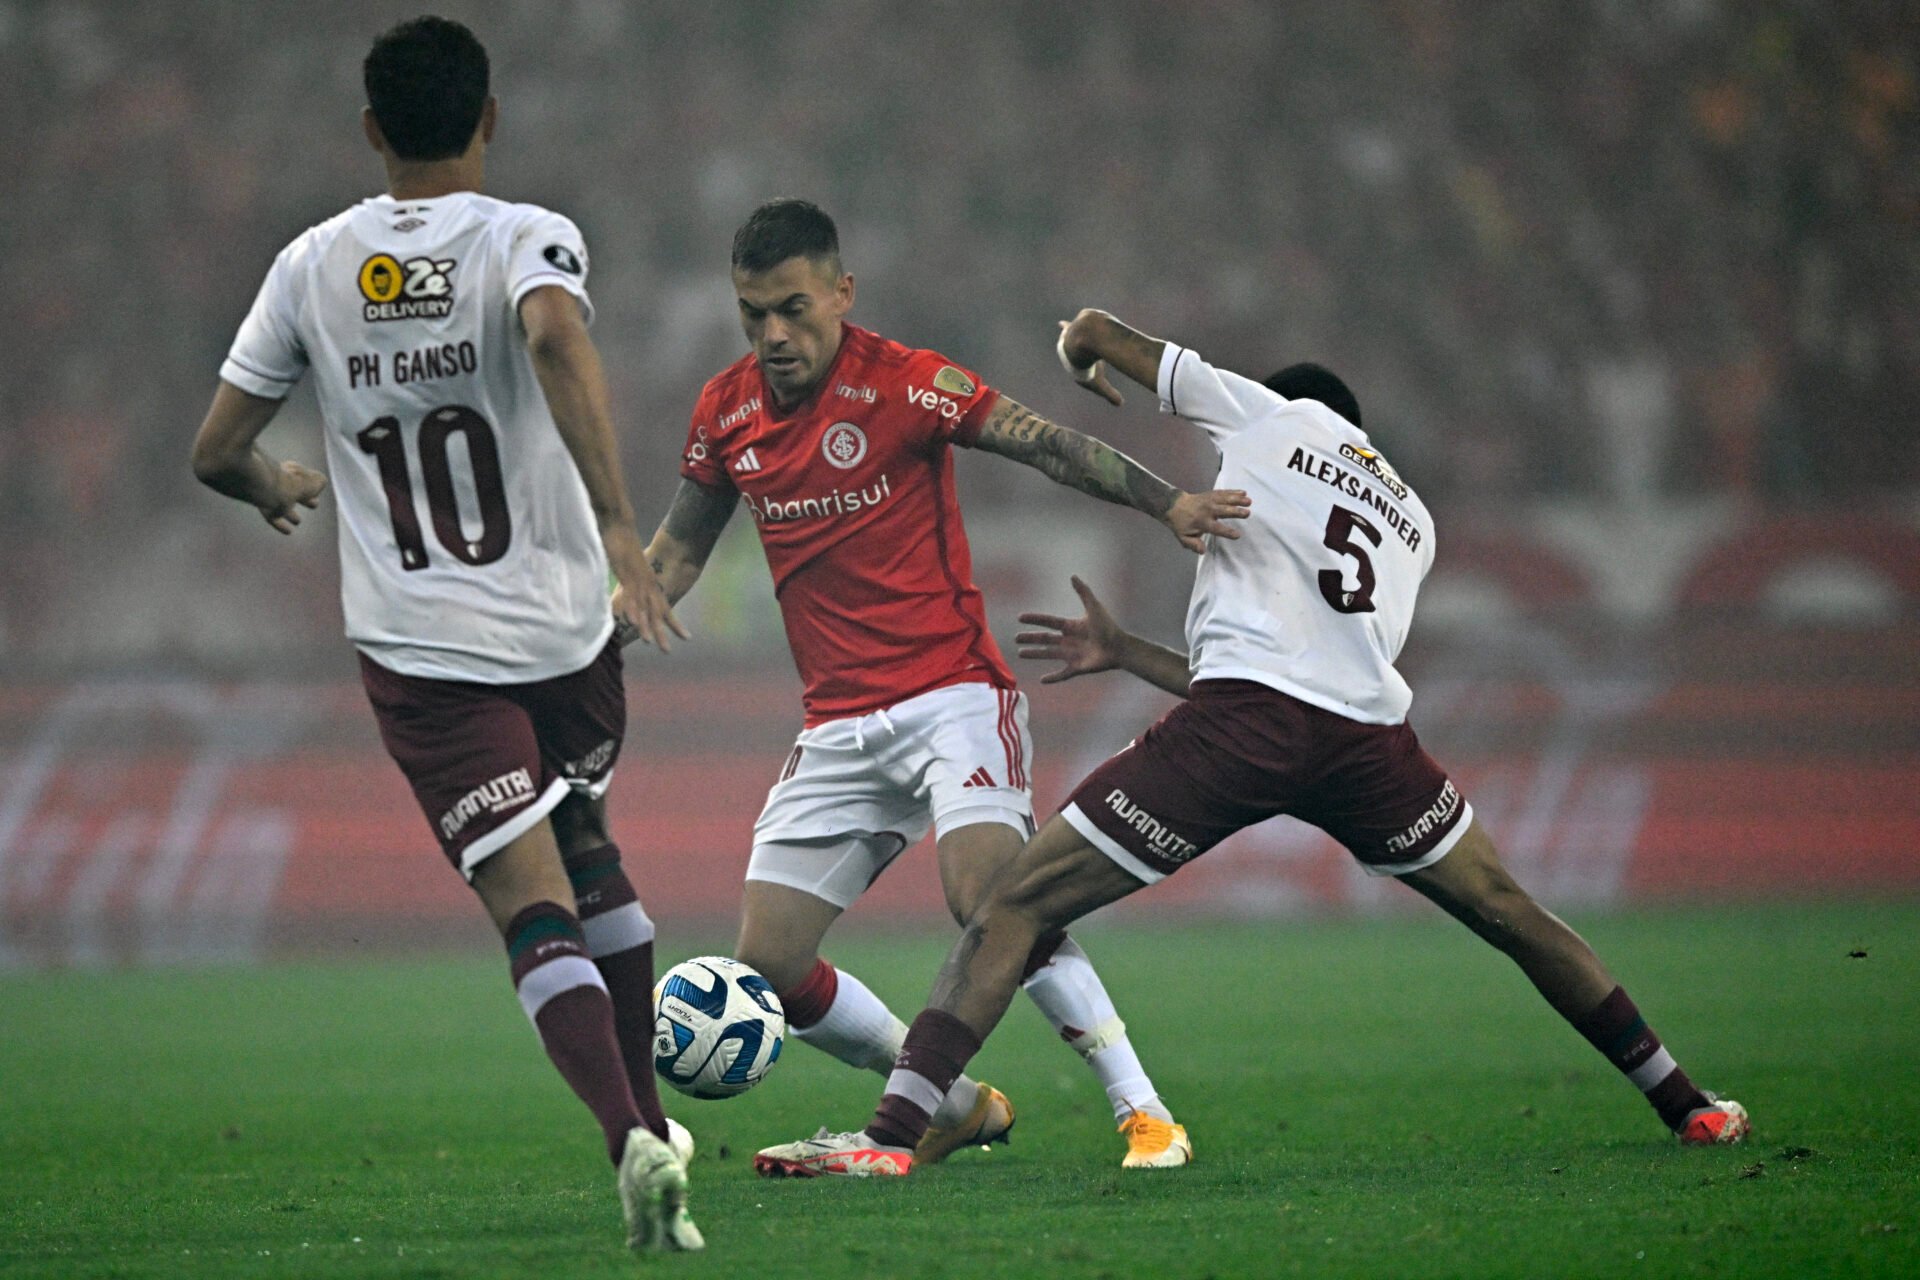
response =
{"points": [[700, 461], [928, 374]]}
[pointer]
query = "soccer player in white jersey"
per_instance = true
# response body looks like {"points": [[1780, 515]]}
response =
{"points": [[481, 508], [1292, 706]]}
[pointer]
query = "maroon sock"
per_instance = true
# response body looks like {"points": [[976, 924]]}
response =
{"points": [[565, 997], [629, 979], [1623, 1037], [619, 937], [937, 1050], [807, 1003]]}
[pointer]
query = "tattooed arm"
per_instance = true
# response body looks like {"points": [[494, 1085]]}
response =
{"points": [[685, 539], [1081, 462], [1078, 461]]}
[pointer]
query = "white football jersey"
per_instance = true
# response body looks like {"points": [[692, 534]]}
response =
{"points": [[1316, 595], [468, 549]]}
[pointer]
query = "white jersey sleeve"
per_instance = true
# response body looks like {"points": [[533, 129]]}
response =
{"points": [[267, 357], [548, 249], [1216, 400], [1316, 596]]}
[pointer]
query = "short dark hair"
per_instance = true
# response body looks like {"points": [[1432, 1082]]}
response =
{"points": [[427, 84], [782, 229], [1308, 381]]}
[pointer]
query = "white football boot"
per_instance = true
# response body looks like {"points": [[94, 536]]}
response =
{"points": [[680, 1140], [846, 1155], [653, 1195]]}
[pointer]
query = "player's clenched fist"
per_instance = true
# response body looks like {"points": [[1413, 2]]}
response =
{"points": [[1089, 373], [1195, 516]]}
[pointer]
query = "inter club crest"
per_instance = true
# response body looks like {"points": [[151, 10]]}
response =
{"points": [[844, 445]]}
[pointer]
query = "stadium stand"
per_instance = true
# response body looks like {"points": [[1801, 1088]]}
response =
{"points": [[1630, 292]]}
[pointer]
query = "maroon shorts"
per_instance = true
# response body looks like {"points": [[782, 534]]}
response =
{"points": [[1236, 753], [488, 761]]}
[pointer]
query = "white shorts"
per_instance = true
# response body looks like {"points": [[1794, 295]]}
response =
{"points": [[858, 791]]}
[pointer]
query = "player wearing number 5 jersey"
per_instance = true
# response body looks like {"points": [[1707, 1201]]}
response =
{"points": [[481, 508], [840, 444], [1292, 706]]}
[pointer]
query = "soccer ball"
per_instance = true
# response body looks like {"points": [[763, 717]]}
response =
{"points": [[717, 1027]]}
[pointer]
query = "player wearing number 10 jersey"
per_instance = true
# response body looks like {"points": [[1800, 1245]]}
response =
{"points": [[481, 508]]}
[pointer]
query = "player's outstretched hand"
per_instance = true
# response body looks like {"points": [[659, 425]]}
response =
{"points": [[1193, 516], [298, 487], [1081, 645], [644, 613], [1093, 377]]}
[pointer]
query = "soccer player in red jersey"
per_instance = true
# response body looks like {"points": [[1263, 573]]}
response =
{"points": [[485, 641], [839, 442], [1291, 705]]}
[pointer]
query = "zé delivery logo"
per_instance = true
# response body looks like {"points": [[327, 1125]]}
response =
{"points": [[417, 289]]}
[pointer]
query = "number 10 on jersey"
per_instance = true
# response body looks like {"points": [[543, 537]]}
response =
{"points": [[382, 438]]}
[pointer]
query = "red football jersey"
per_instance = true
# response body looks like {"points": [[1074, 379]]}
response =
{"points": [[852, 492]]}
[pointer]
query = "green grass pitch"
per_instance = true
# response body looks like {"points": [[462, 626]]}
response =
{"points": [[1367, 1099]]}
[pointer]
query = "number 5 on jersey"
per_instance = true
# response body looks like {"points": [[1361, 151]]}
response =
{"points": [[383, 440], [1341, 524]]}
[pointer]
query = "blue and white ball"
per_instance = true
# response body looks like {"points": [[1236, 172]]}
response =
{"points": [[717, 1027]]}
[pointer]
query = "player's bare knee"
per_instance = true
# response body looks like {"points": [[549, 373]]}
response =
{"points": [[527, 870], [973, 860], [966, 894], [786, 967], [970, 896], [780, 931], [784, 956]]}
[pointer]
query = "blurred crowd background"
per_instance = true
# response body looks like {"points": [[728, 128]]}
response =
{"points": [[1622, 257], [1629, 290]]}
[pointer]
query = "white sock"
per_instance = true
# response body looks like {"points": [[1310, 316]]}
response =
{"points": [[857, 1028], [1076, 1002], [862, 1032]]}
